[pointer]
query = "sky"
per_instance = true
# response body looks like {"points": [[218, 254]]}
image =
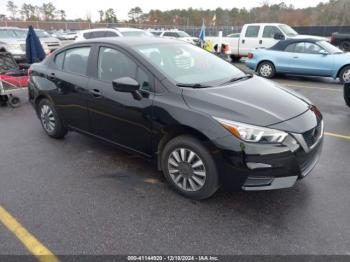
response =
{"points": [[78, 8]]}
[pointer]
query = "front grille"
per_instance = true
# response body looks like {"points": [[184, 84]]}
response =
{"points": [[312, 136]]}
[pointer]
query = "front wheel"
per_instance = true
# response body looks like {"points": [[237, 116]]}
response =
{"points": [[344, 75], [189, 168], [266, 69], [50, 120], [347, 94]]}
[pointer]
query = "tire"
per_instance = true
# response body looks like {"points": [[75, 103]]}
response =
{"points": [[195, 166], [345, 46], [50, 120], [14, 101], [266, 69], [344, 75], [347, 94]]}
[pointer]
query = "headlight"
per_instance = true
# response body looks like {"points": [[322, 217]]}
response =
{"points": [[254, 134]]}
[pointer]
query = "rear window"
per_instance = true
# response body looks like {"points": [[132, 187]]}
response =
{"points": [[76, 60], [252, 31]]}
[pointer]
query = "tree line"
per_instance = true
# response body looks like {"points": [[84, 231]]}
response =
{"points": [[334, 12]]}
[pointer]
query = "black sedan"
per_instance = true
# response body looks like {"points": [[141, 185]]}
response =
{"points": [[201, 120]]}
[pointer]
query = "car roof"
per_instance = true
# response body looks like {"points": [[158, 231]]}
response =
{"points": [[96, 30], [281, 45], [131, 41], [124, 29]]}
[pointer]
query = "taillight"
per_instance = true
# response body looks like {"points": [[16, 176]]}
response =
{"points": [[250, 55]]}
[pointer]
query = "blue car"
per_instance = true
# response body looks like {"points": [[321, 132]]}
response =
{"points": [[309, 57]]}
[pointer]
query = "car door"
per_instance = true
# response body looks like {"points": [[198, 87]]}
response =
{"points": [[71, 94], [117, 116], [267, 40], [307, 60], [249, 40]]}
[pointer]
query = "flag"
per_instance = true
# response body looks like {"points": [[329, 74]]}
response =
{"points": [[202, 33]]}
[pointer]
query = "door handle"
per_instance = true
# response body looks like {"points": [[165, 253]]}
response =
{"points": [[96, 93], [243, 41], [295, 57], [260, 42]]}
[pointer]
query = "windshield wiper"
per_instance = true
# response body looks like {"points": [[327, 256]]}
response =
{"points": [[197, 85], [235, 79]]}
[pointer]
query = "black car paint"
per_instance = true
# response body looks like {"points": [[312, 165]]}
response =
{"points": [[145, 125]]}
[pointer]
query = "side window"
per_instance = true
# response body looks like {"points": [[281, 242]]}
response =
{"points": [[59, 60], [111, 34], [270, 31], [143, 79], [171, 34], [290, 48], [299, 47], [113, 64], [311, 48], [76, 60], [252, 31], [87, 35], [98, 34]]}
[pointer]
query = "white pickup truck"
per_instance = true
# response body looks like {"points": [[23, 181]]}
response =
{"points": [[259, 35]]}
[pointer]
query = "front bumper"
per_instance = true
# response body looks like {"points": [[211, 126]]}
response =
{"points": [[267, 167]]}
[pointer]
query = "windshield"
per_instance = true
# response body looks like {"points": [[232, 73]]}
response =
{"points": [[12, 33], [288, 30], [183, 34], [188, 64], [331, 49], [41, 34], [136, 33]]}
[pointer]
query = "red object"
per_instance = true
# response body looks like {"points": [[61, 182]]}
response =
{"points": [[250, 55], [15, 81]]}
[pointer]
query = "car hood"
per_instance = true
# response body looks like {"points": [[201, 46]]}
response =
{"points": [[255, 101], [49, 40], [13, 40]]}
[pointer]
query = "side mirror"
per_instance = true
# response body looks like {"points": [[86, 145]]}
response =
{"points": [[323, 52], [279, 36], [126, 85]]}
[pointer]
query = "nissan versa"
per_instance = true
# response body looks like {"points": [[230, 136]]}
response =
{"points": [[203, 121]]}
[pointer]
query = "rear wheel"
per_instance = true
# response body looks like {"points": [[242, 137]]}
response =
{"points": [[266, 69], [344, 75], [347, 94], [50, 120], [189, 168]]}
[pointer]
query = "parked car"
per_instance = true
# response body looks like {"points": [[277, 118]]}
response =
{"points": [[202, 120], [68, 35], [347, 93], [263, 35], [112, 32], [13, 40], [48, 42], [156, 32], [180, 35], [301, 57], [341, 40]]}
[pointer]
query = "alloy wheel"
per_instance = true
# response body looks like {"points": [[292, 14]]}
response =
{"points": [[266, 70], [186, 169], [346, 75], [47, 118]]}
